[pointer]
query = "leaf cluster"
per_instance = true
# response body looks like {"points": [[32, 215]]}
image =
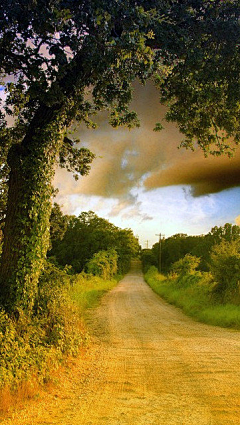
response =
{"points": [[55, 51], [75, 160], [82, 57]]}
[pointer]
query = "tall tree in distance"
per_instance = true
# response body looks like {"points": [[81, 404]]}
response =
{"points": [[64, 60]]}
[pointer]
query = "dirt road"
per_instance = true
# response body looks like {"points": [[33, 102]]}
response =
{"points": [[151, 365]]}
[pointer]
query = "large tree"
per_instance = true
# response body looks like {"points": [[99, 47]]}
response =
{"points": [[63, 60]]}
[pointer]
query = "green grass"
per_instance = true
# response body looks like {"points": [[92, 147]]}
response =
{"points": [[227, 315], [88, 290], [193, 294]]}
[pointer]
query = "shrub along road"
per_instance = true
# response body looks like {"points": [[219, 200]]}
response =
{"points": [[149, 365]]}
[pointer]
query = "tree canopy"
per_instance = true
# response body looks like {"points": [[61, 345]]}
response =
{"points": [[54, 50]]}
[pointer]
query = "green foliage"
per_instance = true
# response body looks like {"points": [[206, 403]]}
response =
{"points": [[58, 223], [103, 264], [199, 293], [180, 44], [35, 347], [186, 265], [56, 313], [127, 247], [77, 161], [225, 268], [88, 234], [148, 259], [194, 295], [154, 278], [174, 248], [177, 246], [228, 232]]}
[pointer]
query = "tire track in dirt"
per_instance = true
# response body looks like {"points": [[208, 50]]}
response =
{"points": [[150, 365]]}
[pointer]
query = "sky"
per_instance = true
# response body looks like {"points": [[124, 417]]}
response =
{"points": [[141, 180]]}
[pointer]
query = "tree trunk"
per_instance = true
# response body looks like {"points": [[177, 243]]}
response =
{"points": [[26, 231]]}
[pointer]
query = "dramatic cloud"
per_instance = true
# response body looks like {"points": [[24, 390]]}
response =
{"points": [[123, 158], [204, 175], [130, 159]]}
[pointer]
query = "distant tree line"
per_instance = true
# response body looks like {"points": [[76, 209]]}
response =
{"points": [[76, 240], [177, 246], [207, 264]]}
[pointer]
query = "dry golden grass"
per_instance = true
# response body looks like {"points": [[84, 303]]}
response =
{"points": [[12, 399], [24, 408]]}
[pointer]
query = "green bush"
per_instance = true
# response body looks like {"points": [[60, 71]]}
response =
{"points": [[22, 351], [186, 265], [35, 346], [104, 264], [148, 259], [225, 268], [55, 311]]}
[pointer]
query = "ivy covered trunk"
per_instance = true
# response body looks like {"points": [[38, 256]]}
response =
{"points": [[26, 232]]}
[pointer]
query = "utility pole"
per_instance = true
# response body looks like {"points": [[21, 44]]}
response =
{"points": [[147, 244], [160, 252]]}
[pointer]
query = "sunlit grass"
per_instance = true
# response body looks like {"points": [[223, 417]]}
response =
{"points": [[227, 315], [88, 290], [193, 294]]}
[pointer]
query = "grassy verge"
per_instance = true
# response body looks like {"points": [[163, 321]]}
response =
{"points": [[88, 290], [33, 348], [194, 295]]}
